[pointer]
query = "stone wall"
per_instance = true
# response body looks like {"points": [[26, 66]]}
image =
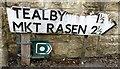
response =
{"points": [[68, 45]]}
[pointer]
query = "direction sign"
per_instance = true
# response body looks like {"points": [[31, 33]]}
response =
{"points": [[43, 48], [33, 20]]}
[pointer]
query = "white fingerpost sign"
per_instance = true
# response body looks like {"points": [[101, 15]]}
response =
{"points": [[33, 20]]}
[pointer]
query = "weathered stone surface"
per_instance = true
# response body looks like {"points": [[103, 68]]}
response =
{"points": [[54, 38], [79, 8], [72, 53], [54, 5], [1, 4], [13, 49], [111, 6], [92, 41], [109, 38], [75, 42], [31, 3], [73, 5], [37, 4], [90, 52], [75, 45], [1, 19], [1, 44], [109, 48], [60, 49], [3, 56], [10, 4], [91, 46], [13, 38], [3, 47], [108, 44], [1, 40], [93, 7]]}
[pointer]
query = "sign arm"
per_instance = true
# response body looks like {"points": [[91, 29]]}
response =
{"points": [[110, 28]]}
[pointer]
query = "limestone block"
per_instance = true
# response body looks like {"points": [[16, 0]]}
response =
{"points": [[75, 42], [60, 49], [31, 4], [92, 44], [109, 38], [92, 41], [111, 6], [52, 5], [90, 53], [12, 49], [108, 44], [37, 4], [13, 3], [1, 44], [72, 53], [75, 45], [1, 23], [54, 38], [1, 40], [1, 4], [3, 57], [13, 38], [109, 48], [72, 5]]}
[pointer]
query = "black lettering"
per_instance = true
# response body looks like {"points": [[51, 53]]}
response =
{"points": [[43, 15], [95, 29], [98, 18], [83, 30], [50, 27], [27, 27], [37, 24], [67, 27], [18, 26], [53, 15], [25, 12], [101, 18], [16, 9], [59, 28], [36, 15], [61, 15], [74, 28]]}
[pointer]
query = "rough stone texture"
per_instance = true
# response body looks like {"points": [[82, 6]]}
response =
{"points": [[75, 45], [60, 49], [109, 38], [3, 47], [3, 57], [111, 6], [73, 7], [54, 38], [110, 44], [9, 4], [12, 49], [36, 4], [54, 5], [91, 46]]}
